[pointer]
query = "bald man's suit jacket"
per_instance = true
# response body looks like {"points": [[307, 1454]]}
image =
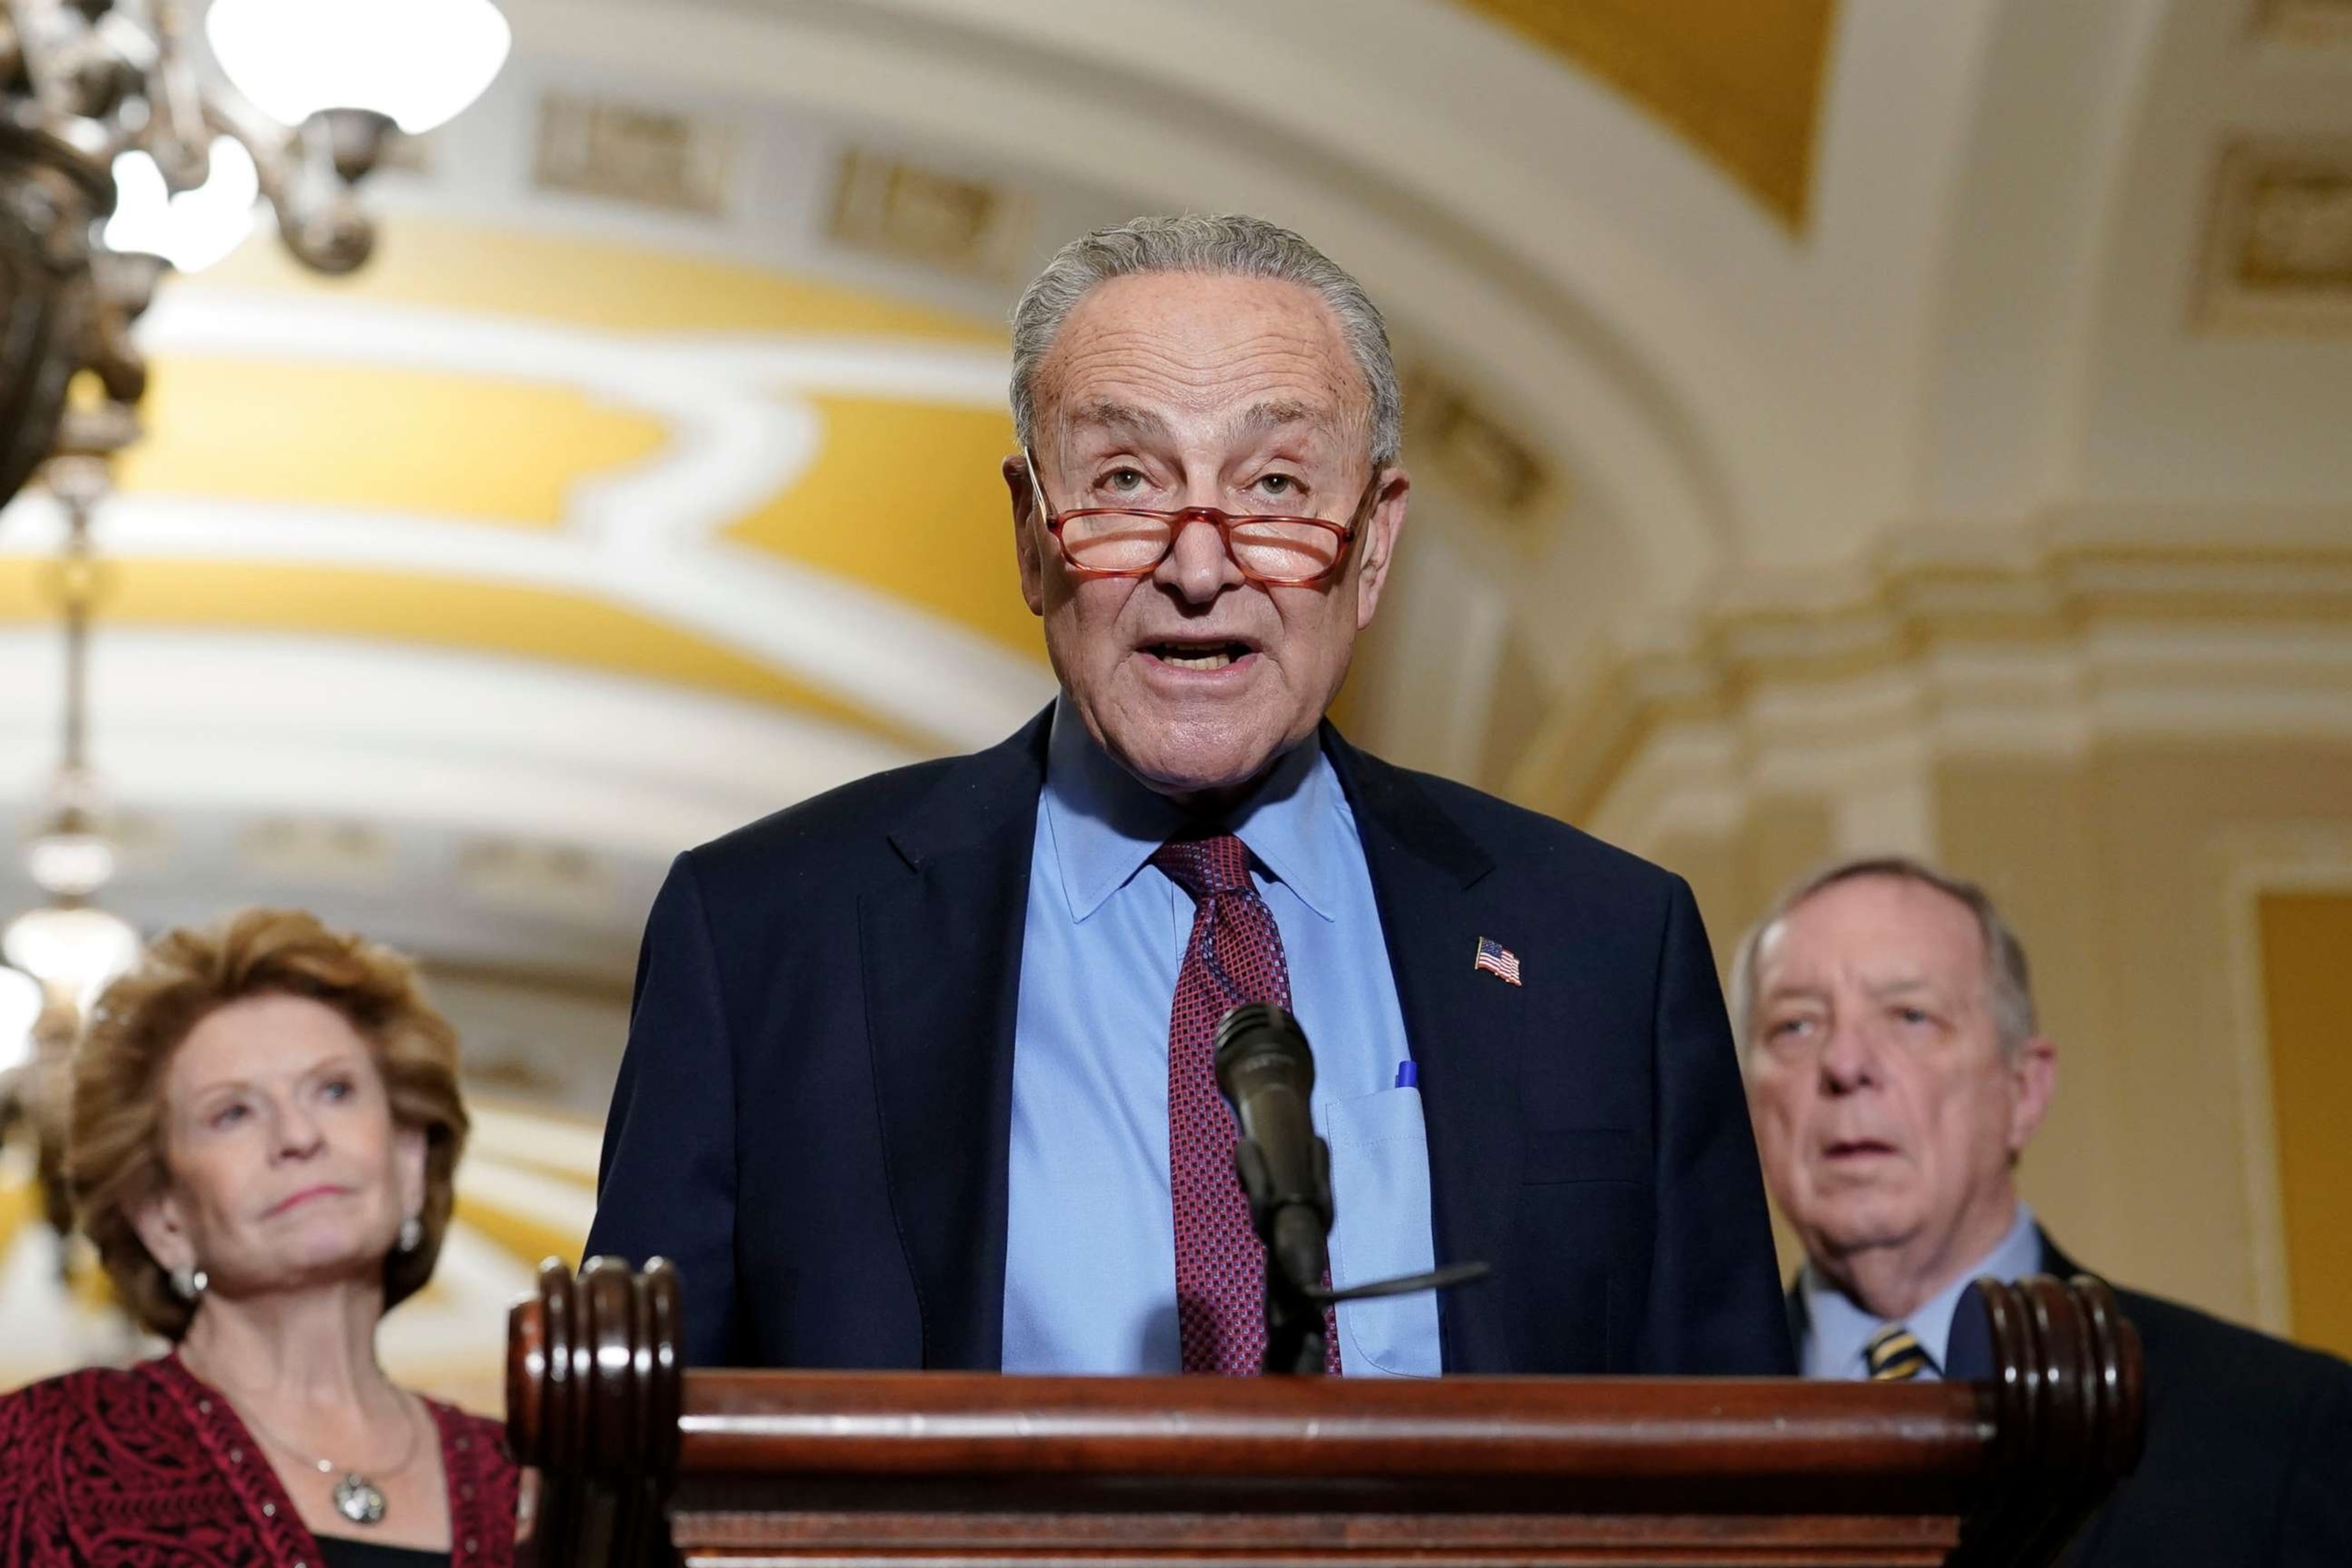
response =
{"points": [[814, 1114]]}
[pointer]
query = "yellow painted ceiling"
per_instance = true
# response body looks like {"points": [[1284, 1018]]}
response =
{"points": [[908, 499], [446, 612], [1740, 80], [585, 282], [376, 439], [20, 1201]]}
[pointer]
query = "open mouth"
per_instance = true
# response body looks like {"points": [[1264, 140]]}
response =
{"points": [[1198, 655]]}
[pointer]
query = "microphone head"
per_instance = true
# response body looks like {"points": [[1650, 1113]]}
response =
{"points": [[1257, 1043]]}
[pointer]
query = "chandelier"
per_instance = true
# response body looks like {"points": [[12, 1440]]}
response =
{"points": [[124, 154], [67, 943], [120, 154]]}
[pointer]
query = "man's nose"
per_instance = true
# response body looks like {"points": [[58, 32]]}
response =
{"points": [[1849, 1058], [1197, 567]]}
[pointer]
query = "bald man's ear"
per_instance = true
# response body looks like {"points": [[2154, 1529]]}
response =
{"points": [[1025, 548], [1377, 547], [2035, 1074]]}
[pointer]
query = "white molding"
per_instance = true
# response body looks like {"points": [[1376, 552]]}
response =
{"points": [[395, 733], [1853, 738]]}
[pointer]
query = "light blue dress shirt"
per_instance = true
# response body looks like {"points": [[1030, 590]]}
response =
{"points": [[1090, 1244], [1836, 1331]]}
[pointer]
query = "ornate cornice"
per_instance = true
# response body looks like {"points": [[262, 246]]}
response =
{"points": [[2095, 623]]}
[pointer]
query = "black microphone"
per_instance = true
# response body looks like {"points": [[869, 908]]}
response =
{"points": [[1266, 1073]]}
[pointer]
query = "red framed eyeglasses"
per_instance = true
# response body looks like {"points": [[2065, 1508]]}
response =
{"points": [[1269, 550]]}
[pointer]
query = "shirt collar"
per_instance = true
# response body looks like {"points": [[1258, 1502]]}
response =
{"points": [[1104, 822], [1837, 1329]]}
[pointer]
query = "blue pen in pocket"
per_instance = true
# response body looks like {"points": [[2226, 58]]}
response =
{"points": [[1408, 1073]]}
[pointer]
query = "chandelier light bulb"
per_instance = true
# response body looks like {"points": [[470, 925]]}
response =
{"points": [[194, 229], [21, 1000], [70, 862], [74, 949], [416, 62]]}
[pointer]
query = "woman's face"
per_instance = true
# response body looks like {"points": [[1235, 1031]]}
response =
{"points": [[285, 1168]]}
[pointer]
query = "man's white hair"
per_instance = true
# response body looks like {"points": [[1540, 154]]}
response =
{"points": [[1227, 246]]}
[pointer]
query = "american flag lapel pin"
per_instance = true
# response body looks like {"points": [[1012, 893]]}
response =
{"points": [[1498, 960]]}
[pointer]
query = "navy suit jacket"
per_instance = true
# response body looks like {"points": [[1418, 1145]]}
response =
{"points": [[812, 1116], [2249, 1454]]}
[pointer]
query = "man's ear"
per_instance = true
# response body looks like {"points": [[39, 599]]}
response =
{"points": [[2035, 1075], [163, 1231], [1377, 545], [1025, 548]]}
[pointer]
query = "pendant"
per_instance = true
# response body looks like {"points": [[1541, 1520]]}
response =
{"points": [[357, 1499]]}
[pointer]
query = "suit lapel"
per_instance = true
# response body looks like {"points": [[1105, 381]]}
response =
{"points": [[941, 950], [1462, 1028]]}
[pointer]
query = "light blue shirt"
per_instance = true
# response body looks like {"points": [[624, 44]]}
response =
{"points": [[1090, 1244], [1836, 1331]]}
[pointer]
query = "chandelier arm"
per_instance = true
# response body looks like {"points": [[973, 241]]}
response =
{"points": [[177, 100]]}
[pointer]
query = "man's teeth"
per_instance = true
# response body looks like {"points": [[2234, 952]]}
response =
{"points": [[1196, 659]]}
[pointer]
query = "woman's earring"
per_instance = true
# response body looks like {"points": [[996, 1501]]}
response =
{"points": [[188, 1283], [412, 1235]]}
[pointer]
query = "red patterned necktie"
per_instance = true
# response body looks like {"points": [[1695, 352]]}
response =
{"points": [[1234, 956]]}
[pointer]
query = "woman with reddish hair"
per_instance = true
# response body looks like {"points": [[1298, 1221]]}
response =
{"points": [[265, 1127]]}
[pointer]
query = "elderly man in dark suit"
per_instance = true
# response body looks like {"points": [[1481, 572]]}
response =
{"points": [[1895, 1072], [920, 1071]]}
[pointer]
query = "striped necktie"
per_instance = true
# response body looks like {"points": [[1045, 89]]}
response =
{"points": [[1893, 1355]]}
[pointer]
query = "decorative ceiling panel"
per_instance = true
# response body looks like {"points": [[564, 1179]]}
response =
{"points": [[2278, 244], [1740, 80]]}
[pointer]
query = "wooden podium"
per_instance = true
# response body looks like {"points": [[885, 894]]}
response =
{"points": [[643, 1462]]}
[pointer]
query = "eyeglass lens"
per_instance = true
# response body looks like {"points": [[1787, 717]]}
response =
{"points": [[1136, 542]]}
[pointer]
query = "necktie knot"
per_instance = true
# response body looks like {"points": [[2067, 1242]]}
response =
{"points": [[1895, 1355], [1205, 866]]}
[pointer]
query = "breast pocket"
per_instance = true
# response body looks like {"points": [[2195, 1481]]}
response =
{"points": [[1379, 1187]]}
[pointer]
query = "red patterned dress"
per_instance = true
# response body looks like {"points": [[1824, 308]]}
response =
{"points": [[144, 1467]]}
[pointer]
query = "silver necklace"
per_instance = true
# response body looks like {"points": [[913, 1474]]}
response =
{"points": [[357, 1497]]}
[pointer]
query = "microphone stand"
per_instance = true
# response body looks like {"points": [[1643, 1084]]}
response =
{"points": [[1296, 1228]]}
